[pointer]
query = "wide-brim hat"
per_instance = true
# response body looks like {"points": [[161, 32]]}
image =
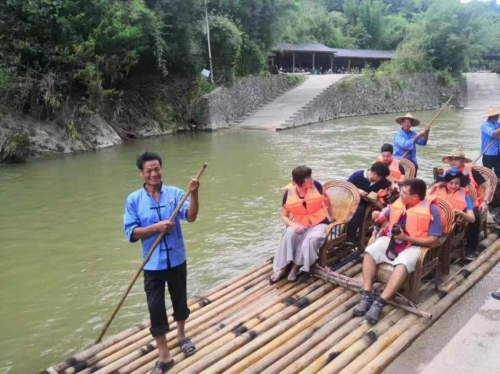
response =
{"points": [[415, 122], [492, 112], [456, 152], [452, 174]]}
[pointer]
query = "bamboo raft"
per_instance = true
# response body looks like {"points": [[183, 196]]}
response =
{"points": [[246, 325]]}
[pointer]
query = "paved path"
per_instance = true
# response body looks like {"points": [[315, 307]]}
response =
{"points": [[483, 90], [272, 115], [465, 340]]}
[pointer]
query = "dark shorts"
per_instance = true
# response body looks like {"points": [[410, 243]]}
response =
{"points": [[154, 285], [493, 163]]}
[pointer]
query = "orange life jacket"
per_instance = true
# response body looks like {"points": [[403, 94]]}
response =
{"points": [[467, 170], [309, 210], [457, 199], [418, 218], [393, 167]]}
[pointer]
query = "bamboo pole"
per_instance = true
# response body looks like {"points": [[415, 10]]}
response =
{"points": [[350, 354], [332, 351], [233, 322], [333, 302], [388, 338], [214, 332], [333, 277], [433, 119], [192, 327], [383, 359], [148, 344], [228, 354], [143, 337], [484, 151], [299, 346]]}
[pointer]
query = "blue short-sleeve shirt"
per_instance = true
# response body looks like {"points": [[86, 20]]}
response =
{"points": [[403, 142], [141, 210]]}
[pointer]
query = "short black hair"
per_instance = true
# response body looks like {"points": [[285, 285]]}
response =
{"points": [[381, 169], [387, 148], [417, 187], [145, 157], [301, 173]]}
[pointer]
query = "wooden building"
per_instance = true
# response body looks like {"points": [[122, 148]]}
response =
{"points": [[313, 56]]}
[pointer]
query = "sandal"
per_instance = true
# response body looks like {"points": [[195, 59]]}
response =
{"points": [[187, 346], [276, 277], [292, 277], [162, 367]]}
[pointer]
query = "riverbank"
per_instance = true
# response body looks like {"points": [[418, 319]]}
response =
{"points": [[151, 111]]}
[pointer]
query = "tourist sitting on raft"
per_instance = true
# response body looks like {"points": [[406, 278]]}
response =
{"points": [[367, 181], [305, 211], [451, 187], [415, 222], [395, 167], [406, 139], [457, 160]]}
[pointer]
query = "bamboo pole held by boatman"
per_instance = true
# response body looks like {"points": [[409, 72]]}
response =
{"points": [[483, 152], [433, 119], [146, 259]]}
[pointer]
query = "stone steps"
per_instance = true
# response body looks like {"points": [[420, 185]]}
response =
{"points": [[281, 112]]}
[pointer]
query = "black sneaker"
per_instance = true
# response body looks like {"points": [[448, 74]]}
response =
{"points": [[373, 315], [496, 295], [364, 305], [471, 255]]}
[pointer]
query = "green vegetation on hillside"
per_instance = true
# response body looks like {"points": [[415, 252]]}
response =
{"points": [[85, 54]]}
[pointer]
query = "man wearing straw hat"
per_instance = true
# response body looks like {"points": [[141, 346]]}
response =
{"points": [[405, 139], [490, 144], [147, 213]]}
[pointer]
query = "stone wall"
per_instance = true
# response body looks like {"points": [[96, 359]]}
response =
{"points": [[225, 105], [365, 95]]}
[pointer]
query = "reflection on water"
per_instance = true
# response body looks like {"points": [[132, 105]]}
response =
{"points": [[64, 258]]}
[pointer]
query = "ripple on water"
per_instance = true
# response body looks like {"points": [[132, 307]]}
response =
{"points": [[65, 260]]}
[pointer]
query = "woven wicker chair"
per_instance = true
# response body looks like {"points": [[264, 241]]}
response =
{"points": [[429, 257], [492, 180], [409, 168], [344, 199]]}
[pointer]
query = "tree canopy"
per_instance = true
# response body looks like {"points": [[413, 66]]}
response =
{"points": [[55, 50]]}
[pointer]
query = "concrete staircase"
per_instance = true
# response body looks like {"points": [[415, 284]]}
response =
{"points": [[483, 90], [276, 114]]}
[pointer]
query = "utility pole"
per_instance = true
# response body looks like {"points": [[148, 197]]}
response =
{"points": [[208, 42]]}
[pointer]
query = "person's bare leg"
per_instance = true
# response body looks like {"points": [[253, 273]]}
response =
{"points": [[369, 271], [164, 352], [181, 334], [396, 281]]}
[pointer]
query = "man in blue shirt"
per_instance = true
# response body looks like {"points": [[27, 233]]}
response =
{"points": [[405, 139], [490, 130], [147, 213]]}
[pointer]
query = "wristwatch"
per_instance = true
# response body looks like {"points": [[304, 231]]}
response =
{"points": [[487, 201]]}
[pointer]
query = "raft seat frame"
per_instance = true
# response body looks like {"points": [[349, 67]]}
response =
{"points": [[344, 199]]}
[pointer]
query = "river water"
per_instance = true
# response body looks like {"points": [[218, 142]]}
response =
{"points": [[64, 260]]}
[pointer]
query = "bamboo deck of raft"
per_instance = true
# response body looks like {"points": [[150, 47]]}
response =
{"points": [[248, 326]]}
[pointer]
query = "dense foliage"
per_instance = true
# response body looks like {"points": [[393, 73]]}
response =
{"points": [[54, 52]]}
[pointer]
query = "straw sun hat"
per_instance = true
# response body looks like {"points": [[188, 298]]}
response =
{"points": [[492, 112], [456, 152], [415, 122]]}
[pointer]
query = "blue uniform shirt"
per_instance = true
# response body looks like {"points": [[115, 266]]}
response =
{"points": [[487, 130], [141, 210], [403, 141]]}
